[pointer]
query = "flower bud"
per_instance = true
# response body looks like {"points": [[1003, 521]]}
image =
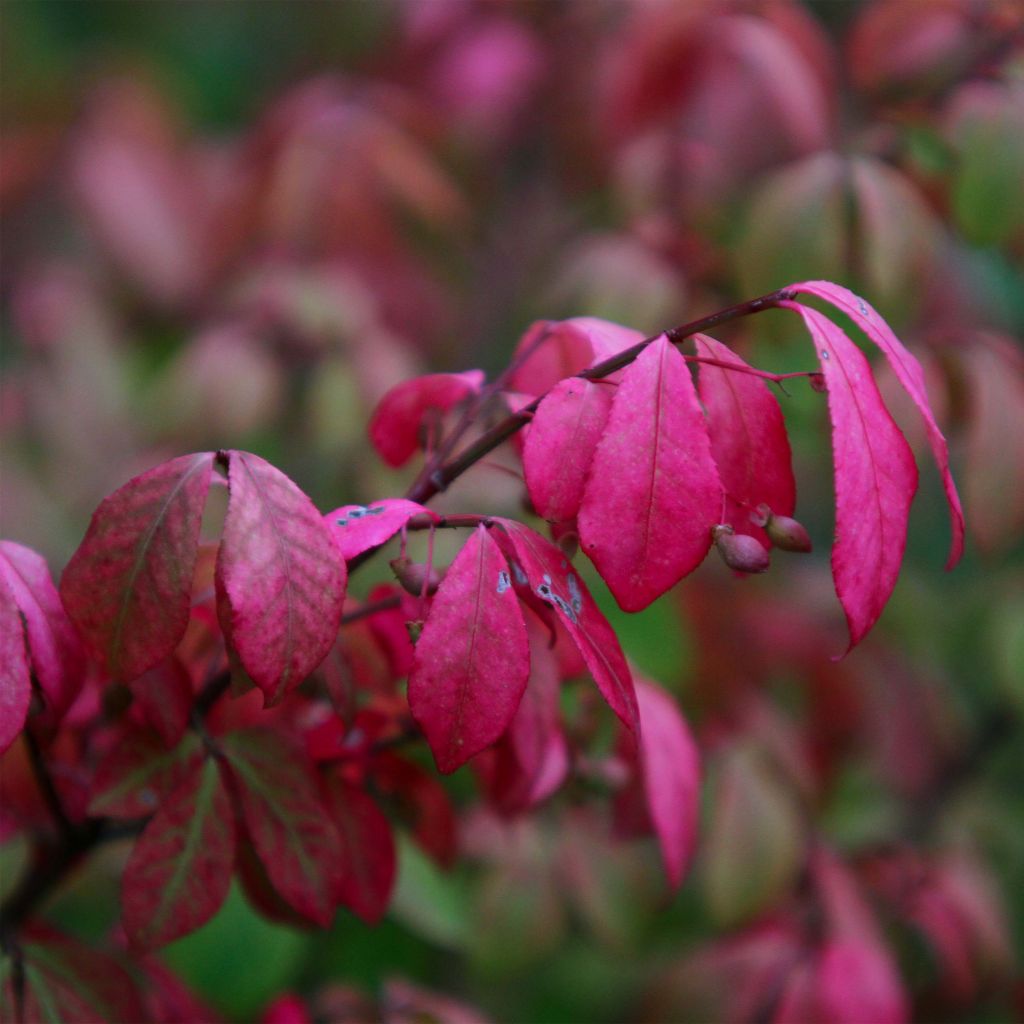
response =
{"points": [[740, 552], [784, 532], [411, 575]]}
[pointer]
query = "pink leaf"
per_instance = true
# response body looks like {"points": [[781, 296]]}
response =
{"points": [[671, 771], [911, 376], [542, 572], [127, 588], [52, 642], [560, 445], [395, 424], [286, 820], [857, 982], [748, 439], [15, 677], [180, 868], [282, 575], [357, 528], [472, 659], [875, 478], [368, 863], [653, 493]]}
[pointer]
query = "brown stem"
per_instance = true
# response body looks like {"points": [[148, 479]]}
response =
{"points": [[425, 487], [46, 784], [367, 610]]}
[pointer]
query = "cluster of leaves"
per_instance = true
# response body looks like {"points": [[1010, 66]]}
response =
{"points": [[208, 700]]}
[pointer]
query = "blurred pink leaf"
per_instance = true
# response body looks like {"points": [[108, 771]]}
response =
{"points": [[128, 586], [653, 493], [15, 674], [858, 982]]}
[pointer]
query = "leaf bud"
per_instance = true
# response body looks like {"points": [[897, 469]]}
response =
{"points": [[412, 575], [783, 531], [566, 537], [739, 551]]}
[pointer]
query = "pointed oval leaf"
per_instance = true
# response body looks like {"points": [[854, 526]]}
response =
{"points": [[15, 675], [357, 528], [368, 863], [560, 446], [748, 439], [127, 588], [55, 649], [875, 478], [286, 820], [395, 424], [858, 981], [180, 868], [653, 493], [671, 770], [281, 574], [911, 376], [541, 572], [163, 696], [472, 660]]}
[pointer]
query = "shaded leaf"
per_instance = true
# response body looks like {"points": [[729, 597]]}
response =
{"points": [[281, 574], [357, 528], [395, 424], [164, 698], [560, 445], [180, 868], [285, 819], [670, 764], [127, 587], [875, 478], [367, 865], [653, 493], [543, 575], [748, 439], [911, 376], [472, 660]]}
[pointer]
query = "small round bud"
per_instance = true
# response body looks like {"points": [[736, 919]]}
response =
{"points": [[566, 537], [818, 383], [740, 552], [411, 575], [783, 531]]}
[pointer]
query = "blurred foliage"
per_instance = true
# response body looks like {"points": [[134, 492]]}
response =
{"points": [[232, 224]]}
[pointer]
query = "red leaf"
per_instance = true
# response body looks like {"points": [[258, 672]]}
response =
{"points": [[671, 770], [15, 677], [653, 493], [543, 572], [911, 376], [748, 439], [164, 698], [127, 588], [54, 647], [395, 424], [472, 659], [180, 868], [138, 772], [282, 576], [560, 446], [875, 478], [368, 862], [285, 819], [357, 528]]}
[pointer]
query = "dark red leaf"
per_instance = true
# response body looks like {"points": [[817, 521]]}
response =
{"points": [[748, 439], [54, 647], [541, 572], [395, 424], [286, 820], [875, 478], [127, 588], [560, 445], [472, 659], [911, 376], [164, 698], [180, 868], [653, 493], [282, 575], [367, 862], [357, 528], [15, 675], [671, 770]]}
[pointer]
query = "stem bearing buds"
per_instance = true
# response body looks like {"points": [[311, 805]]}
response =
{"points": [[416, 577], [783, 532], [738, 551]]}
